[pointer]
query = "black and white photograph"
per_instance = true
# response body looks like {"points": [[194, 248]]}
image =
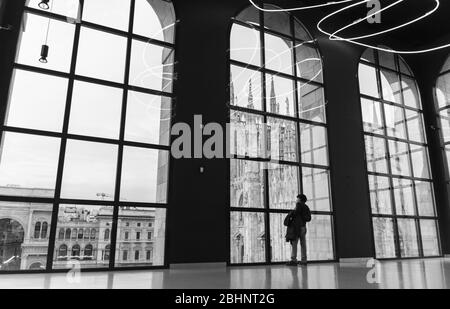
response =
{"points": [[224, 145]]}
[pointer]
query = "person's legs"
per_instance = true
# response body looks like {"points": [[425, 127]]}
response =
{"points": [[294, 245], [303, 244]]}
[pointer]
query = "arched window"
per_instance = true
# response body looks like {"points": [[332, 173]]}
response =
{"points": [[44, 230], [106, 235], [62, 251], [67, 236], [61, 234], [76, 251], [106, 253], [88, 251], [400, 180], [443, 106], [97, 77], [74, 234], [278, 132], [87, 234], [37, 230]]}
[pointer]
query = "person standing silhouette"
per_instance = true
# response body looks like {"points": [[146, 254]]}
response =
{"points": [[296, 230]]}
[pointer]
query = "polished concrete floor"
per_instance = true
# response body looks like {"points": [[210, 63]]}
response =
{"points": [[427, 273]]}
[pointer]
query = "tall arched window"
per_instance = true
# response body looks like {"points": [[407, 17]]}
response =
{"points": [[443, 106], [400, 181], [92, 87], [278, 136]]}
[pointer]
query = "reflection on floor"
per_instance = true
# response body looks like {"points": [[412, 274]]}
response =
{"points": [[427, 273]]}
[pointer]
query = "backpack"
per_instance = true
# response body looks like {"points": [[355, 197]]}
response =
{"points": [[288, 219]]}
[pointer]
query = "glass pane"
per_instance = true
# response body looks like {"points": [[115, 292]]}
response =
{"points": [[247, 134], [395, 121], [110, 13], [249, 15], [443, 90], [430, 240], [316, 187], [144, 175], [368, 81], [314, 144], [283, 186], [416, 129], [101, 55], [425, 198], [309, 63], [277, 21], [155, 19], [145, 244], [148, 118], [30, 102], [60, 42], [282, 139], [387, 60], [384, 237], [151, 66], [278, 54], [280, 248], [95, 110], [85, 251], [376, 154], [245, 88], [69, 8], [399, 156], [445, 124], [380, 195], [390, 84], [410, 92], [311, 102], [247, 184], [245, 45], [89, 171], [248, 238], [372, 116], [404, 197], [319, 239], [408, 238], [280, 95], [25, 232], [28, 165], [419, 157]]}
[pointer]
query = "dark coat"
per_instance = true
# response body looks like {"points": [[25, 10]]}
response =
{"points": [[294, 221]]}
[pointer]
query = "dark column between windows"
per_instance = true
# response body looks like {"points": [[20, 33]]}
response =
{"points": [[354, 237]]}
